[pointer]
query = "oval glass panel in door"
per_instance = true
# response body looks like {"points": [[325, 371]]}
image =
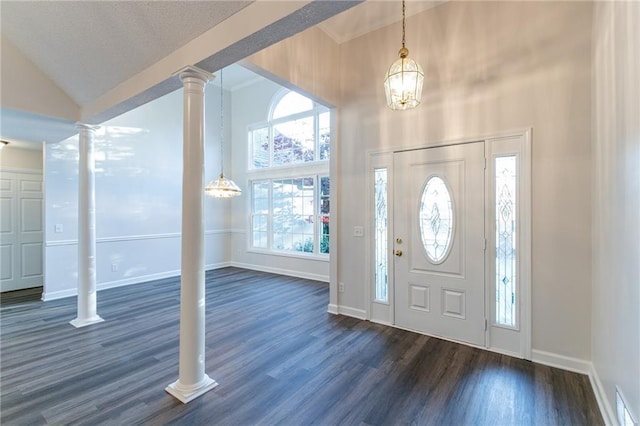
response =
{"points": [[436, 219]]}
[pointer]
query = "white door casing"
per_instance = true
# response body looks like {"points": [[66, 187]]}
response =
{"points": [[21, 231], [439, 287]]}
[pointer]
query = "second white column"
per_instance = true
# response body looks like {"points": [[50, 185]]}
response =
{"points": [[192, 380]]}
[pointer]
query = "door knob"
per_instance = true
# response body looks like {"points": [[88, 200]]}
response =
{"points": [[398, 253]]}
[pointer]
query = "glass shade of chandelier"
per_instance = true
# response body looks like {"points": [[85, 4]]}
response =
{"points": [[403, 81], [222, 187]]}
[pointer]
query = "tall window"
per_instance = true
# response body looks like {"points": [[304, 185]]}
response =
{"points": [[288, 161], [505, 221], [381, 235]]}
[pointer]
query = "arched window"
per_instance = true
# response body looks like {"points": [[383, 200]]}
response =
{"points": [[290, 103], [298, 131], [288, 155]]}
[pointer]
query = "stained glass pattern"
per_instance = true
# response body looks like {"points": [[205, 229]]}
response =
{"points": [[505, 196], [436, 219], [381, 235]]}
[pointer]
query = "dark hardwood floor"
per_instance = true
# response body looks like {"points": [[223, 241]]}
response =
{"points": [[279, 359]]}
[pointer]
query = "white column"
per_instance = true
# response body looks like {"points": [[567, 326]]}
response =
{"points": [[86, 229], [192, 380]]}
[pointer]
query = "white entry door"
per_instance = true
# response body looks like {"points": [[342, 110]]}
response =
{"points": [[21, 229], [439, 242]]}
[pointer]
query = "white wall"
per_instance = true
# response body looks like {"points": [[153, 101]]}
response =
{"points": [[138, 197], [251, 105], [21, 158], [313, 70], [616, 203], [490, 67]]}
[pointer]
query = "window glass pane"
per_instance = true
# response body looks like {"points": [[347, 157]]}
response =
{"points": [[293, 142], [505, 196], [292, 103], [261, 197], [381, 234], [292, 224], [436, 219], [260, 231], [324, 128], [260, 147], [324, 214]]}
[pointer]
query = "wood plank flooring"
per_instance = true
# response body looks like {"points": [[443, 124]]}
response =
{"points": [[279, 359]]}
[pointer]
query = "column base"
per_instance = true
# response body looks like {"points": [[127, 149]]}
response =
{"points": [[188, 393], [83, 322]]}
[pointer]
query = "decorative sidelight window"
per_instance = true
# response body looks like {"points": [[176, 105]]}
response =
{"points": [[506, 227], [381, 235]]}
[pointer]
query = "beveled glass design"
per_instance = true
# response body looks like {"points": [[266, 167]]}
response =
{"points": [[325, 209], [505, 221], [381, 235], [436, 219]]}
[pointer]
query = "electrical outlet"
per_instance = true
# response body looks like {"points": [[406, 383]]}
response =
{"points": [[358, 231], [114, 267], [341, 287], [58, 228]]}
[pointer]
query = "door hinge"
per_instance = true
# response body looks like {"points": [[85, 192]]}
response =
{"points": [[485, 324], [485, 164], [485, 244]]}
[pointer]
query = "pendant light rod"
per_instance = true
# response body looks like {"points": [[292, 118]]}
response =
{"points": [[222, 187], [403, 24], [221, 126]]}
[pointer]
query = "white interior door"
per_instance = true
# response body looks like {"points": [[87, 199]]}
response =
{"points": [[21, 231], [439, 241]]}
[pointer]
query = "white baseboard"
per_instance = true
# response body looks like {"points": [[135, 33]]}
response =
{"points": [[61, 294], [560, 361], [127, 281], [608, 415], [346, 310], [280, 271]]}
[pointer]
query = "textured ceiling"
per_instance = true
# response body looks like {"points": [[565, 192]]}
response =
{"points": [[89, 47]]}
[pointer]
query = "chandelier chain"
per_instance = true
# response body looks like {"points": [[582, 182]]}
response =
{"points": [[221, 126], [403, 23]]}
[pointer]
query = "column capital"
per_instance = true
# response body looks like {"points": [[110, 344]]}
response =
{"points": [[84, 126], [193, 72]]}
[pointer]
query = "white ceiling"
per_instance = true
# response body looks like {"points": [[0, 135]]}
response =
{"points": [[89, 47]]}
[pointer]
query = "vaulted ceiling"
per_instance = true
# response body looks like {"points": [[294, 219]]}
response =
{"points": [[111, 56]]}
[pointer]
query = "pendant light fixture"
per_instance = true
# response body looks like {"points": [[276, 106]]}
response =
{"points": [[222, 187], [403, 81]]}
